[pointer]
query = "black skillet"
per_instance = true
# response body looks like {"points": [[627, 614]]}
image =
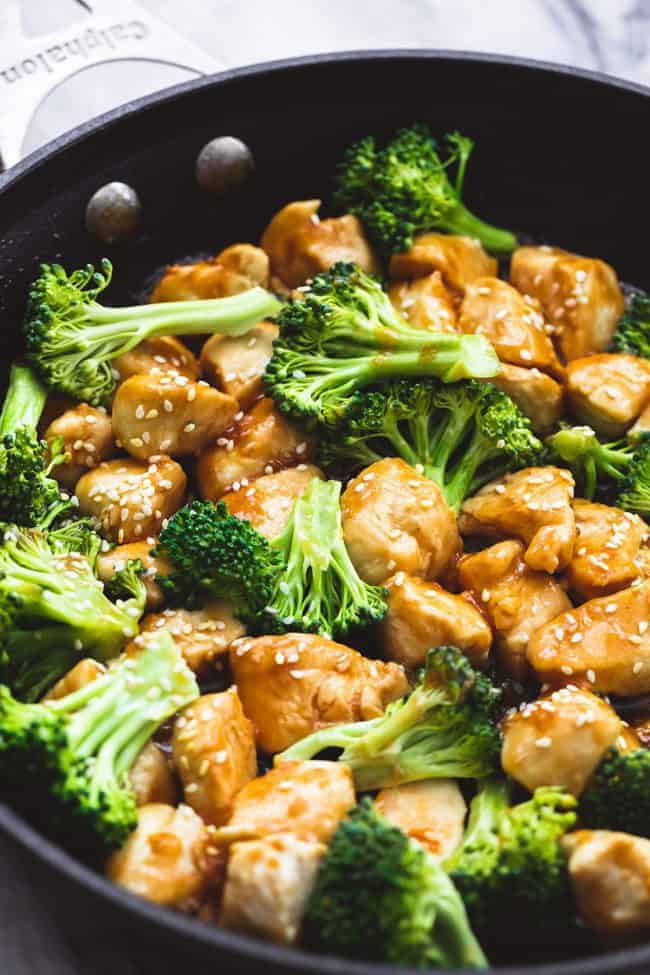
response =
{"points": [[561, 155]]}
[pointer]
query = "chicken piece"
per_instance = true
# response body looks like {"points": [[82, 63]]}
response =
{"points": [[236, 269], [537, 395], [422, 615], [162, 354], [641, 426], [425, 303], [605, 642], [307, 799], [264, 441], [84, 672], [512, 322], [516, 599], [432, 812], [268, 885], [533, 504], [460, 260], [156, 414], [86, 436], [165, 859], [116, 559], [236, 364], [580, 296], [267, 503], [608, 392], [151, 777], [294, 684], [608, 542], [131, 499], [213, 748], [610, 875], [395, 520], [202, 635], [560, 739], [300, 244]]}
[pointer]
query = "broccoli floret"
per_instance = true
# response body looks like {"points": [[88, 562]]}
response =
{"points": [[214, 553], [72, 339], [344, 334], [510, 868], [68, 760], [55, 611], [126, 583], [634, 493], [379, 896], [445, 728], [460, 435], [596, 466], [632, 333], [404, 189], [28, 495], [302, 580], [76, 535], [618, 795]]}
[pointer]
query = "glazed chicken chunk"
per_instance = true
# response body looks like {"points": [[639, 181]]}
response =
{"points": [[84, 672], [307, 799], [560, 739], [422, 615], [160, 355], [431, 812], [268, 501], [161, 414], [610, 874], [294, 684], [116, 559], [236, 364], [202, 635], [460, 260], [608, 392], [85, 435], [235, 269], [425, 302], [539, 397], [268, 884], [395, 520], [132, 499], [607, 550], [165, 859], [511, 322], [213, 748], [299, 244], [151, 777], [263, 442], [604, 642], [580, 296], [533, 504], [516, 599]]}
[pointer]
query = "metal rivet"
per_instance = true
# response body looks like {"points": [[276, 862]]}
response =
{"points": [[113, 213], [223, 164]]}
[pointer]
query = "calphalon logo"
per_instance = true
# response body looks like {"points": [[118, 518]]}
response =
{"points": [[83, 46]]}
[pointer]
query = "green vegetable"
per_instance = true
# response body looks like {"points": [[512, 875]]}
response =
{"points": [[379, 896], [632, 333], [634, 494], [445, 728], [618, 795], [460, 435], [344, 334], [405, 189], [66, 762], [72, 339], [596, 466], [511, 869]]}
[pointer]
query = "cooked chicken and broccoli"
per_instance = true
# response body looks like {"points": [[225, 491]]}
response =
{"points": [[325, 579]]}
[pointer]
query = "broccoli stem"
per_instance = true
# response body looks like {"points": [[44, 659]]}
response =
{"points": [[24, 401], [233, 315], [463, 480], [462, 221]]}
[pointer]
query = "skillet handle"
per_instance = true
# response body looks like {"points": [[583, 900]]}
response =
{"points": [[106, 30]]}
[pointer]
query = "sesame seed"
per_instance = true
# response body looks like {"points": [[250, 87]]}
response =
{"points": [[638, 667], [279, 658], [526, 355], [399, 579], [610, 608], [191, 394], [566, 669], [485, 595], [591, 676], [543, 742], [576, 638], [189, 427]]}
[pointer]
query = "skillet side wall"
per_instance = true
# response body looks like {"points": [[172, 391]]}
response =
{"points": [[559, 157]]}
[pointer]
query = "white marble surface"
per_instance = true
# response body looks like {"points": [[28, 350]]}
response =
{"points": [[608, 35]]}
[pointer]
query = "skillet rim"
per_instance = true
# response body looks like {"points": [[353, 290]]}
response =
{"points": [[630, 961]]}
